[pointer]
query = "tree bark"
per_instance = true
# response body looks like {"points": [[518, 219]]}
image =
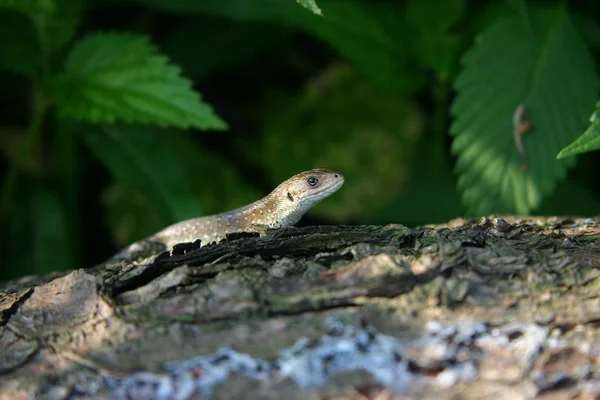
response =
{"points": [[495, 308]]}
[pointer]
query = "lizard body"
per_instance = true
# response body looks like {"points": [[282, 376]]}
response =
{"points": [[284, 206]]}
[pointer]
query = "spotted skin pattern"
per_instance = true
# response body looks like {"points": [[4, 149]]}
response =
{"points": [[284, 206]]}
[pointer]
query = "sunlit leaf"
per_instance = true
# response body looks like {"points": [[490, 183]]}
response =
{"points": [[311, 5], [545, 67], [590, 140], [113, 77]]}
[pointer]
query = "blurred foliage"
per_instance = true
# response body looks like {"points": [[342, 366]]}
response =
{"points": [[105, 136]]}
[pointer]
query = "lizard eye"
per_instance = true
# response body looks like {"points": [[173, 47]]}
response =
{"points": [[312, 181]]}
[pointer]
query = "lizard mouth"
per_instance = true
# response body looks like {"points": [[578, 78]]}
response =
{"points": [[332, 189]]}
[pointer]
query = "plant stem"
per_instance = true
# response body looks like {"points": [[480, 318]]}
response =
{"points": [[40, 106], [39, 112]]}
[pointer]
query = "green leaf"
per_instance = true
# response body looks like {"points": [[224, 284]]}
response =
{"points": [[547, 69], [113, 77], [373, 36], [23, 55], [590, 140], [138, 158], [311, 5]]}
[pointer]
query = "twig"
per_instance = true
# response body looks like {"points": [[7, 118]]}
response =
{"points": [[520, 126]]}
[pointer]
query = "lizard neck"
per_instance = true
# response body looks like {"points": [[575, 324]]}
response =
{"points": [[273, 212]]}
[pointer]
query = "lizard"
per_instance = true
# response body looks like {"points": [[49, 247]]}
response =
{"points": [[283, 207]]}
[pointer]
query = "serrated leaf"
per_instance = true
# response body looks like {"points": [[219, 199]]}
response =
{"points": [[21, 56], [137, 157], [310, 5], [113, 77], [547, 68], [590, 140]]}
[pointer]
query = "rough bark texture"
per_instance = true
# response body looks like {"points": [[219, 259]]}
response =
{"points": [[496, 308]]}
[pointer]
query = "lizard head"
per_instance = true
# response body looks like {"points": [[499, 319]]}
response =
{"points": [[310, 187], [290, 200]]}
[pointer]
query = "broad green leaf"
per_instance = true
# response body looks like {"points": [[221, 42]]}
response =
{"points": [[545, 67], [590, 140], [138, 158], [36, 240], [310, 5], [113, 77], [373, 36], [334, 127], [23, 55]]}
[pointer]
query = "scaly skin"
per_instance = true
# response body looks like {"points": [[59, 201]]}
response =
{"points": [[283, 207]]}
